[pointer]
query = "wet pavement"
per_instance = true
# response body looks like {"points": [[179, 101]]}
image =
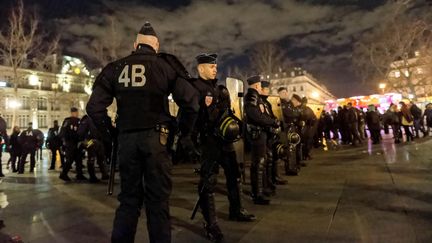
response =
{"points": [[373, 193]]}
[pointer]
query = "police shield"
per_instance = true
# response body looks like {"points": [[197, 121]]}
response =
{"points": [[236, 90]]}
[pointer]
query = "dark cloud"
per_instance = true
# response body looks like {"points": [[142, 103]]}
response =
{"points": [[316, 34]]}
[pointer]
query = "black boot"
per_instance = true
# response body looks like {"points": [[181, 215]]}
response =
{"points": [[258, 192], [208, 210], [236, 211]]}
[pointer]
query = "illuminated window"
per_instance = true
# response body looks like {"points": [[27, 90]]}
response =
{"points": [[42, 121], [407, 74], [42, 103], [294, 89], [397, 74], [25, 101], [301, 88]]}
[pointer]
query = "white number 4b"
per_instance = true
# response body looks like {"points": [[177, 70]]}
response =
{"points": [[138, 78]]}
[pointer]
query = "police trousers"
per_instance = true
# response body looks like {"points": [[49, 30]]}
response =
{"points": [[145, 180]]}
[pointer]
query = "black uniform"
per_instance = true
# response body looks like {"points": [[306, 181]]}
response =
{"points": [[141, 84], [293, 124], [257, 120], [273, 141], [309, 130], [3, 139], [29, 143], [92, 142], [14, 150], [54, 143], [73, 153], [216, 152]]}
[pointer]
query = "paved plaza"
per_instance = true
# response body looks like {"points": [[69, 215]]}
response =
{"points": [[374, 193]]}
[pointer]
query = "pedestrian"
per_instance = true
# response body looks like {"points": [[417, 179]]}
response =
{"points": [[29, 144], [14, 148], [3, 139], [54, 143], [373, 124], [352, 120], [417, 116], [141, 84], [336, 125], [394, 121], [427, 115], [362, 124], [407, 121], [70, 140]]}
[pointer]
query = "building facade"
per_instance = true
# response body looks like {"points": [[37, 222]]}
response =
{"points": [[300, 82], [42, 97]]}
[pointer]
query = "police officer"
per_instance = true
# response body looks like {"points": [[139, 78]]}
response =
{"points": [[291, 110], [14, 148], [310, 123], [70, 138], [257, 120], [273, 140], [141, 84], [53, 143], [92, 142], [29, 143], [215, 107]]}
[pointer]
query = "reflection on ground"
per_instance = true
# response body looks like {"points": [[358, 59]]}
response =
{"points": [[372, 193]]}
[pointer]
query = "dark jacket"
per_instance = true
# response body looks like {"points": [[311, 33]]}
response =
{"points": [[53, 140], [141, 84], [14, 145], [373, 120], [28, 141], [255, 112]]}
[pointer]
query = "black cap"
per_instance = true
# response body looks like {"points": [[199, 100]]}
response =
{"points": [[147, 29], [254, 79], [265, 84], [297, 97], [205, 58], [73, 109], [304, 100]]}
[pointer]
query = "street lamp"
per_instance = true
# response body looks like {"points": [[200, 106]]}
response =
{"points": [[315, 95], [382, 86]]}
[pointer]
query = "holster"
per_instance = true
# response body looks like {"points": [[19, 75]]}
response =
{"points": [[253, 131], [163, 133]]}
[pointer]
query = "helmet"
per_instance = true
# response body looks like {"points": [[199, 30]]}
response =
{"points": [[293, 138], [228, 129], [281, 150]]}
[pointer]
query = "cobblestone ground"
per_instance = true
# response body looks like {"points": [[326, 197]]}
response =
{"points": [[379, 193]]}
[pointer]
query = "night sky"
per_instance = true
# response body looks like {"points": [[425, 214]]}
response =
{"points": [[316, 34]]}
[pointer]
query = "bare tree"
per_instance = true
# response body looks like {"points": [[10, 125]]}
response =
{"points": [[267, 58], [107, 48], [396, 52], [238, 73], [21, 40]]}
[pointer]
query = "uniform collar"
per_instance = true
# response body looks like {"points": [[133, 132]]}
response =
{"points": [[144, 48]]}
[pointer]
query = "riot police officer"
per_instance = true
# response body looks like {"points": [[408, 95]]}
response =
{"points": [[257, 120], [309, 121], [53, 143], [141, 84], [91, 140], [291, 110], [29, 143], [217, 129], [273, 140], [70, 138]]}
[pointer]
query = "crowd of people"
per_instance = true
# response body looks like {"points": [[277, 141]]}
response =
{"points": [[349, 124], [67, 143]]}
